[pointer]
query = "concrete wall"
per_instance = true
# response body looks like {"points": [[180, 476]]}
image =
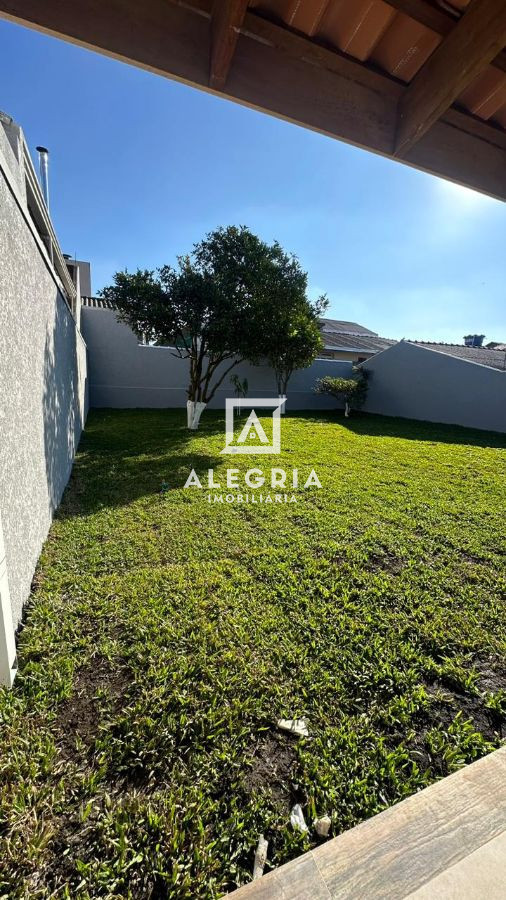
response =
{"points": [[43, 386], [123, 373], [415, 383]]}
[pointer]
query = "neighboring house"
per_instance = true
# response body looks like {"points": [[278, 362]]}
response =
{"points": [[80, 272], [350, 341], [481, 355]]}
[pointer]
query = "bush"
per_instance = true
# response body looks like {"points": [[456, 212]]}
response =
{"points": [[353, 391]]}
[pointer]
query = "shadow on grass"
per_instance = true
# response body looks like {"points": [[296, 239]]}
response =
{"points": [[128, 454], [375, 425]]}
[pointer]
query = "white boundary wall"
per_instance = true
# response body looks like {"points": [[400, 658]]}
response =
{"points": [[126, 374], [43, 386]]}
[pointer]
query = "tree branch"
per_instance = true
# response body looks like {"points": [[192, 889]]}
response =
{"points": [[227, 370]]}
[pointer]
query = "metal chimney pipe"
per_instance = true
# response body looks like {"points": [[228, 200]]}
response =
{"points": [[44, 173]]}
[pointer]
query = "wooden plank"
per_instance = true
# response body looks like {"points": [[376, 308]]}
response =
{"points": [[298, 880], [160, 36], [437, 19], [314, 54], [432, 17], [472, 125], [481, 873], [287, 76], [466, 51], [290, 88], [301, 48], [401, 849], [338, 107], [227, 18], [456, 825]]}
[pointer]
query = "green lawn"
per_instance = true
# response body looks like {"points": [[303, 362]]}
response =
{"points": [[139, 754]]}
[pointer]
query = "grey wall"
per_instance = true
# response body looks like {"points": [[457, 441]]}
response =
{"points": [[42, 388], [123, 373], [415, 383]]}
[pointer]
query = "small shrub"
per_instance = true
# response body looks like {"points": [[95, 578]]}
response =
{"points": [[353, 391]]}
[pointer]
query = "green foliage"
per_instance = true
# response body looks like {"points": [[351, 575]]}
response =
{"points": [[374, 607], [234, 298], [495, 703], [240, 385], [295, 337], [353, 391]]}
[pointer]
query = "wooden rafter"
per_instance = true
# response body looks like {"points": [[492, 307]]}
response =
{"points": [[311, 53], [226, 20], [427, 14], [437, 19], [471, 45], [278, 72]]}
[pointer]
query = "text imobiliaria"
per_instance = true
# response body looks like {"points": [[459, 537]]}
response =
{"points": [[254, 486]]}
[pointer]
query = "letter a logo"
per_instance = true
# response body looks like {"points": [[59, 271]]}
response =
{"points": [[251, 429], [252, 437]]}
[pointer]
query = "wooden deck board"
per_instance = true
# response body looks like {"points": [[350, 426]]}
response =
{"points": [[479, 876], [438, 837]]}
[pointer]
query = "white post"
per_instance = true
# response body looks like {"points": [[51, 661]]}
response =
{"points": [[7, 641]]}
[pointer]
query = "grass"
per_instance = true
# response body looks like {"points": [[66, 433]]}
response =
{"points": [[139, 755]]}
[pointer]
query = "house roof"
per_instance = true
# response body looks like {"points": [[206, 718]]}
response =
{"points": [[420, 81], [363, 342], [97, 303], [342, 327], [485, 357]]}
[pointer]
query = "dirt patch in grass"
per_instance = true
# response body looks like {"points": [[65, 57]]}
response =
{"points": [[385, 562], [272, 768], [80, 716], [448, 703], [492, 674]]}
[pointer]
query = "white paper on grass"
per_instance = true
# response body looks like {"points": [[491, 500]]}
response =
{"points": [[297, 818], [322, 826], [298, 727]]}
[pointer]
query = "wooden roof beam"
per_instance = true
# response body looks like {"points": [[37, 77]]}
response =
{"points": [[468, 49], [226, 20], [277, 72], [433, 17], [437, 19]]}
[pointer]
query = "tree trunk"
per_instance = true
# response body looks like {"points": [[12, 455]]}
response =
{"points": [[284, 388], [198, 409], [346, 408]]}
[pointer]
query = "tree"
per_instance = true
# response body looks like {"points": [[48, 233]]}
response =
{"points": [[353, 391], [296, 342], [215, 308]]}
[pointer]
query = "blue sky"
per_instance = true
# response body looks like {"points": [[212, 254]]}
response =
{"points": [[141, 167]]}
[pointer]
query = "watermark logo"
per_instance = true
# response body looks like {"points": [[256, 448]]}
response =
{"points": [[250, 437]]}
